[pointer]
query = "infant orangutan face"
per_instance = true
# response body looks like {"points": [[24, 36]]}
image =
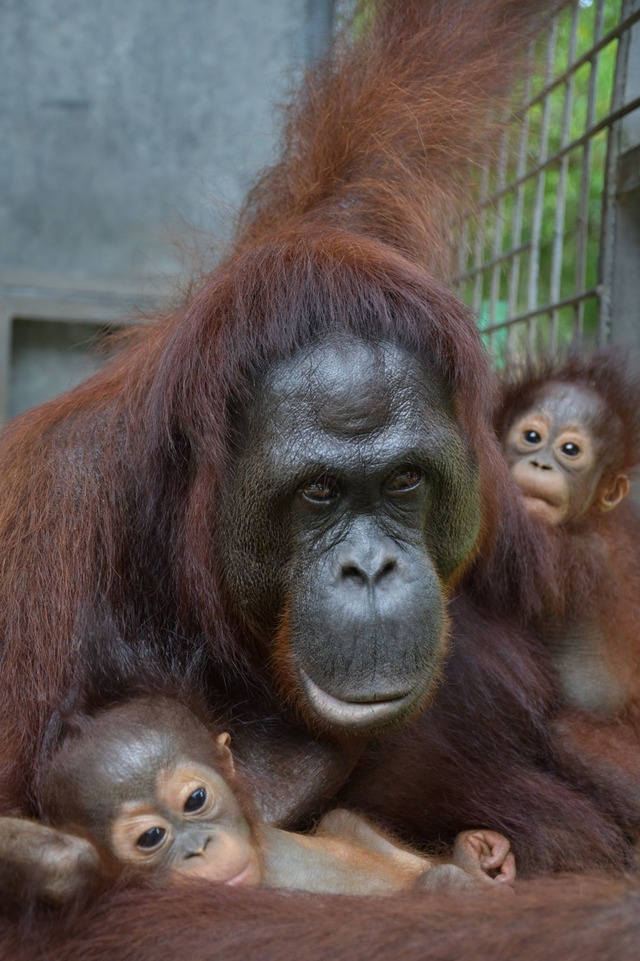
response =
{"points": [[152, 788], [192, 826], [556, 453]]}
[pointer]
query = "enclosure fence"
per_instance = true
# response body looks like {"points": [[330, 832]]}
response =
{"points": [[552, 257]]}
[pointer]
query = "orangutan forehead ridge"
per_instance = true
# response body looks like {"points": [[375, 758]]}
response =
{"points": [[345, 387]]}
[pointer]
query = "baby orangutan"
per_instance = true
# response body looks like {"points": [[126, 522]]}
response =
{"points": [[571, 437], [148, 785], [564, 448]]}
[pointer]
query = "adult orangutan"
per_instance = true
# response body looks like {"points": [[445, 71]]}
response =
{"points": [[274, 491]]}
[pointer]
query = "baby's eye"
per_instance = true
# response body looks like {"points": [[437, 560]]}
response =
{"points": [[151, 838], [196, 800], [532, 436], [570, 449]]}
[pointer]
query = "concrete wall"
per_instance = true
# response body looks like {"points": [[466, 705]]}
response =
{"points": [[127, 124]]}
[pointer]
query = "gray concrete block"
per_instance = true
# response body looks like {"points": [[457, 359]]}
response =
{"points": [[132, 130]]}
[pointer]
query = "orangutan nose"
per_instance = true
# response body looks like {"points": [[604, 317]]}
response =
{"points": [[197, 846], [370, 572]]}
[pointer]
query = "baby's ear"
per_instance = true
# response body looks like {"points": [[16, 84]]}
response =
{"points": [[223, 741], [616, 491]]}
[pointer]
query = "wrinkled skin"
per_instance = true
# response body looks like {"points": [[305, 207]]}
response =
{"points": [[353, 502], [557, 452]]}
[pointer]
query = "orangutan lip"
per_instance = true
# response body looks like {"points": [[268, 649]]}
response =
{"points": [[353, 714], [240, 878], [530, 495]]}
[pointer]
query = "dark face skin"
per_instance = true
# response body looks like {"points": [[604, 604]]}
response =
{"points": [[145, 787], [354, 501], [556, 452]]}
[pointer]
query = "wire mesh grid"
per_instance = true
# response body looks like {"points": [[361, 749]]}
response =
{"points": [[532, 259]]}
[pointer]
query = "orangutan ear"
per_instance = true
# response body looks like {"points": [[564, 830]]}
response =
{"points": [[223, 741], [614, 493]]}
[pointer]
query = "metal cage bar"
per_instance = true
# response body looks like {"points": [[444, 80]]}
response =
{"points": [[542, 257]]}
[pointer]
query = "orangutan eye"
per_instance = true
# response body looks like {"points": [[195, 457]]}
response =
{"points": [[196, 800], [151, 838], [570, 449], [324, 490], [532, 436], [404, 479]]}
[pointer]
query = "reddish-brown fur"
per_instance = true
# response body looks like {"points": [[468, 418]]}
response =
{"points": [[595, 569], [109, 499], [574, 920], [588, 567], [97, 480], [482, 753]]}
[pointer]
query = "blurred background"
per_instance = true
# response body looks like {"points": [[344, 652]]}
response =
{"points": [[133, 128]]}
